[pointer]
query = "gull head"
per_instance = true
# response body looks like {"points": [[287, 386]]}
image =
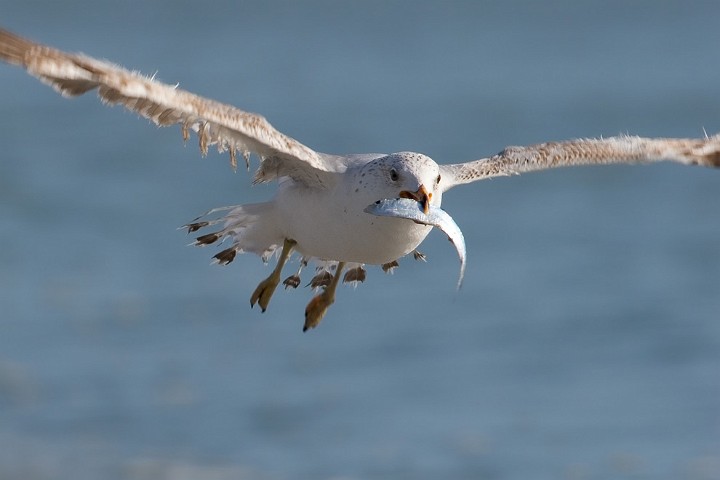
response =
{"points": [[404, 175]]}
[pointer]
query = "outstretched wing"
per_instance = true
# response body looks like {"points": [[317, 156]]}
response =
{"points": [[215, 123], [622, 149]]}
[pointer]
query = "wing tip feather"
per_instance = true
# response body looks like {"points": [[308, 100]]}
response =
{"points": [[13, 47]]}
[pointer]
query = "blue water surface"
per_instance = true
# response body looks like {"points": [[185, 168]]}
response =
{"points": [[584, 344]]}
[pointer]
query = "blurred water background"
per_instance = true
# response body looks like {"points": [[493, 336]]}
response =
{"points": [[585, 343]]}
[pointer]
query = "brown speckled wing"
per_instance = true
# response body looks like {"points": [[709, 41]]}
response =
{"points": [[228, 128], [622, 149]]}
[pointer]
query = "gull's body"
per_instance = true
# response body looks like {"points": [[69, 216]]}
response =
{"points": [[318, 210], [359, 237]]}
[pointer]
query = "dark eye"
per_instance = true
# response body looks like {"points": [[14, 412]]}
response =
{"points": [[394, 175], [437, 180]]}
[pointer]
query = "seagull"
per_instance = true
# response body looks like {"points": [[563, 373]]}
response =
{"points": [[318, 210]]}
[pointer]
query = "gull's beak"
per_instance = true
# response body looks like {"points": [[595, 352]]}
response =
{"points": [[422, 196]]}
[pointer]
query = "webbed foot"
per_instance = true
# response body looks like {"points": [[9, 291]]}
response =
{"points": [[316, 309], [264, 291]]}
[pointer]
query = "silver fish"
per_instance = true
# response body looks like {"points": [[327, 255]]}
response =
{"points": [[436, 217]]}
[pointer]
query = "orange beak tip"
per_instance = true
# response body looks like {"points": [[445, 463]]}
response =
{"points": [[421, 196]]}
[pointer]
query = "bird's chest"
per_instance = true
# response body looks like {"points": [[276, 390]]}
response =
{"points": [[331, 225]]}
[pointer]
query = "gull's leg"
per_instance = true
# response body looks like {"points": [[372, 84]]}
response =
{"points": [[319, 304], [265, 289]]}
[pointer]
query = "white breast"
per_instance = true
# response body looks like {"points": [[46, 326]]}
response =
{"points": [[332, 226]]}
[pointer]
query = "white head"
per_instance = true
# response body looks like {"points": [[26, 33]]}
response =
{"points": [[405, 175]]}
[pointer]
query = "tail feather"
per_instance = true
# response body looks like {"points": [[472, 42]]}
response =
{"points": [[251, 228]]}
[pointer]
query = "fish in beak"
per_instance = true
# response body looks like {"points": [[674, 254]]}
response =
{"points": [[422, 196]]}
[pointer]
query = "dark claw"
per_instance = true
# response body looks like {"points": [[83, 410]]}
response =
{"points": [[354, 275], [226, 256], [207, 239], [322, 279], [194, 227], [390, 266], [292, 281]]}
